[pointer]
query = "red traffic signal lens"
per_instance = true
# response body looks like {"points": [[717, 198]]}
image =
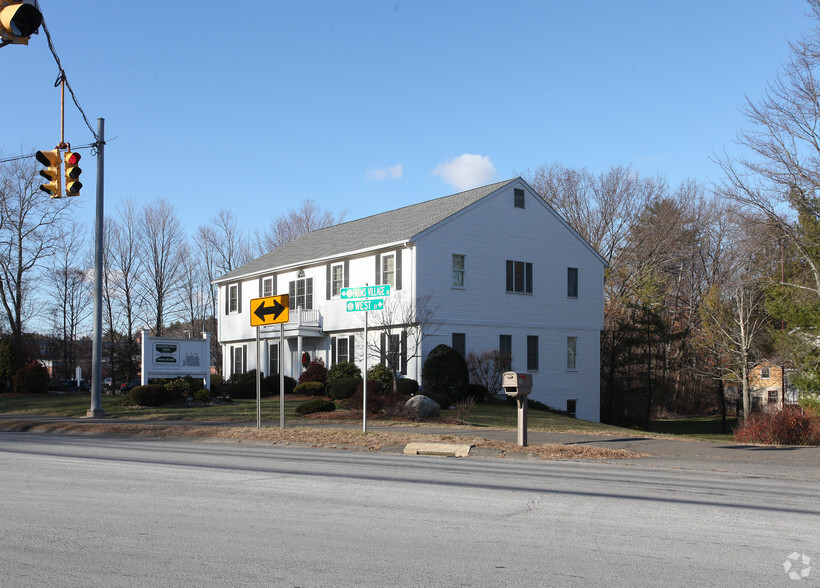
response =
{"points": [[72, 158]]}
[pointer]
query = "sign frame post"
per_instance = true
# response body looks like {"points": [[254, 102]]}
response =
{"points": [[261, 316]]}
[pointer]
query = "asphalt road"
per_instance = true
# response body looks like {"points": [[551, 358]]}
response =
{"points": [[102, 511]]}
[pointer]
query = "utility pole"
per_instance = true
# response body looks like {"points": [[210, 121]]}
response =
{"points": [[96, 352]]}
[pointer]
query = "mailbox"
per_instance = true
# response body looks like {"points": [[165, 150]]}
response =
{"points": [[516, 385]]}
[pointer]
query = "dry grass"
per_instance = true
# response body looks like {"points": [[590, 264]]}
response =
{"points": [[317, 437]]}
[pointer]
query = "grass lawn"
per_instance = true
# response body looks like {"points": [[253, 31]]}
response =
{"points": [[491, 416]]}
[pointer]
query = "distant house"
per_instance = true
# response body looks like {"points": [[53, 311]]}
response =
{"points": [[769, 387], [501, 267]]}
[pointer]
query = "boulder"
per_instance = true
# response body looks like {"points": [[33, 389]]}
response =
{"points": [[421, 407]]}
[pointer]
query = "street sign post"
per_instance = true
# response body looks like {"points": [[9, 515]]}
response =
{"points": [[270, 310], [373, 300]]}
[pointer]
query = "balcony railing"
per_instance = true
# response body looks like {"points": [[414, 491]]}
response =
{"points": [[304, 317]]}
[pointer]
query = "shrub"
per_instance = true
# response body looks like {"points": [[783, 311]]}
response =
{"points": [[31, 379], [381, 374], [445, 372], [186, 386], [270, 385], [316, 405], [781, 427], [310, 388], [377, 403], [315, 372], [342, 388], [444, 401], [478, 392], [202, 396], [407, 387], [153, 395], [373, 386], [241, 385], [344, 369]]}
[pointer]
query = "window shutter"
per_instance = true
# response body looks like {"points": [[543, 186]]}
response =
{"points": [[510, 276], [333, 351], [244, 358], [398, 269], [239, 298], [309, 293], [227, 299], [346, 277], [327, 290], [292, 293], [383, 347], [404, 353], [378, 270], [233, 349], [260, 288], [351, 349], [273, 284]]}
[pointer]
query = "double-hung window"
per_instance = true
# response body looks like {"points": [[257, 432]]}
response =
{"points": [[267, 286], [337, 277], [459, 341], [519, 277], [458, 270], [273, 359], [301, 293], [505, 348], [572, 353], [388, 271], [233, 298]]}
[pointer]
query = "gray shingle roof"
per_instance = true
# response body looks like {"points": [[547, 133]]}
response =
{"points": [[393, 226]]}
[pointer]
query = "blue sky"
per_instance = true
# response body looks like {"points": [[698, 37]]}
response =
{"points": [[372, 105]]}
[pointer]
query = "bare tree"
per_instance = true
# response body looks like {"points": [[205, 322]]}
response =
{"points": [[486, 368], [163, 258], [30, 228], [297, 222], [70, 281], [401, 327]]}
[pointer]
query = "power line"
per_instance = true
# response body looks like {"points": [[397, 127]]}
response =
{"points": [[62, 74]]}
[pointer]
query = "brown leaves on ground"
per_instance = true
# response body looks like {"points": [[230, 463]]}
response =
{"points": [[317, 437]]}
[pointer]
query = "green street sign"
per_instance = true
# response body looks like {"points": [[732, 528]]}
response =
{"points": [[365, 292], [370, 304]]}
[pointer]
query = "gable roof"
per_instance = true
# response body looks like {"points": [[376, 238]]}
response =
{"points": [[393, 226]]}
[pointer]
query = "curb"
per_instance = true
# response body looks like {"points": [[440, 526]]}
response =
{"points": [[438, 449]]}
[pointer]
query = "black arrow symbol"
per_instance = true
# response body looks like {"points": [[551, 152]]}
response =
{"points": [[262, 311]]}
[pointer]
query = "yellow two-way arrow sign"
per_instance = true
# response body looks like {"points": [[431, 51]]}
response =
{"points": [[270, 310]]}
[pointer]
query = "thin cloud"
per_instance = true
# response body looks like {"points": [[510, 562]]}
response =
{"points": [[466, 171], [394, 172]]}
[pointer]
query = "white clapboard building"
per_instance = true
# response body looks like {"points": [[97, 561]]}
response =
{"points": [[495, 267]]}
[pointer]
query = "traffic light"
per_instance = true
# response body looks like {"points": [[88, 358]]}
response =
{"points": [[18, 21], [53, 163], [72, 174]]}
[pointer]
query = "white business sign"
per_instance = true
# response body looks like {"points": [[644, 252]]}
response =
{"points": [[171, 357]]}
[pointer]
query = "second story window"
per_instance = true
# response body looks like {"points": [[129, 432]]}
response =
{"points": [[389, 269], [233, 298], [764, 373], [301, 293], [519, 277], [337, 277], [267, 286], [458, 270]]}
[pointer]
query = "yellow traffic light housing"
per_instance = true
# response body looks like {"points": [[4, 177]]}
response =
{"points": [[53, 163], [18, 21], [72, 174]]}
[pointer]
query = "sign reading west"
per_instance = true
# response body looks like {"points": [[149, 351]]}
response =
{"points": [[270, 310], [366, 292], [370, 304]]}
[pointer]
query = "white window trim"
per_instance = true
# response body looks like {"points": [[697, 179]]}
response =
{"points": [[384, 258], [267, 286], [334, 292]]}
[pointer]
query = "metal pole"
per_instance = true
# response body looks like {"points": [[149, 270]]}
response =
{"points": [[258, 385], [96, 351], [281, 375], [364, 384]]}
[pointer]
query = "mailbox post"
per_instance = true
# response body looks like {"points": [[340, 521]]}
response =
{"points": [[519, 386]]}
